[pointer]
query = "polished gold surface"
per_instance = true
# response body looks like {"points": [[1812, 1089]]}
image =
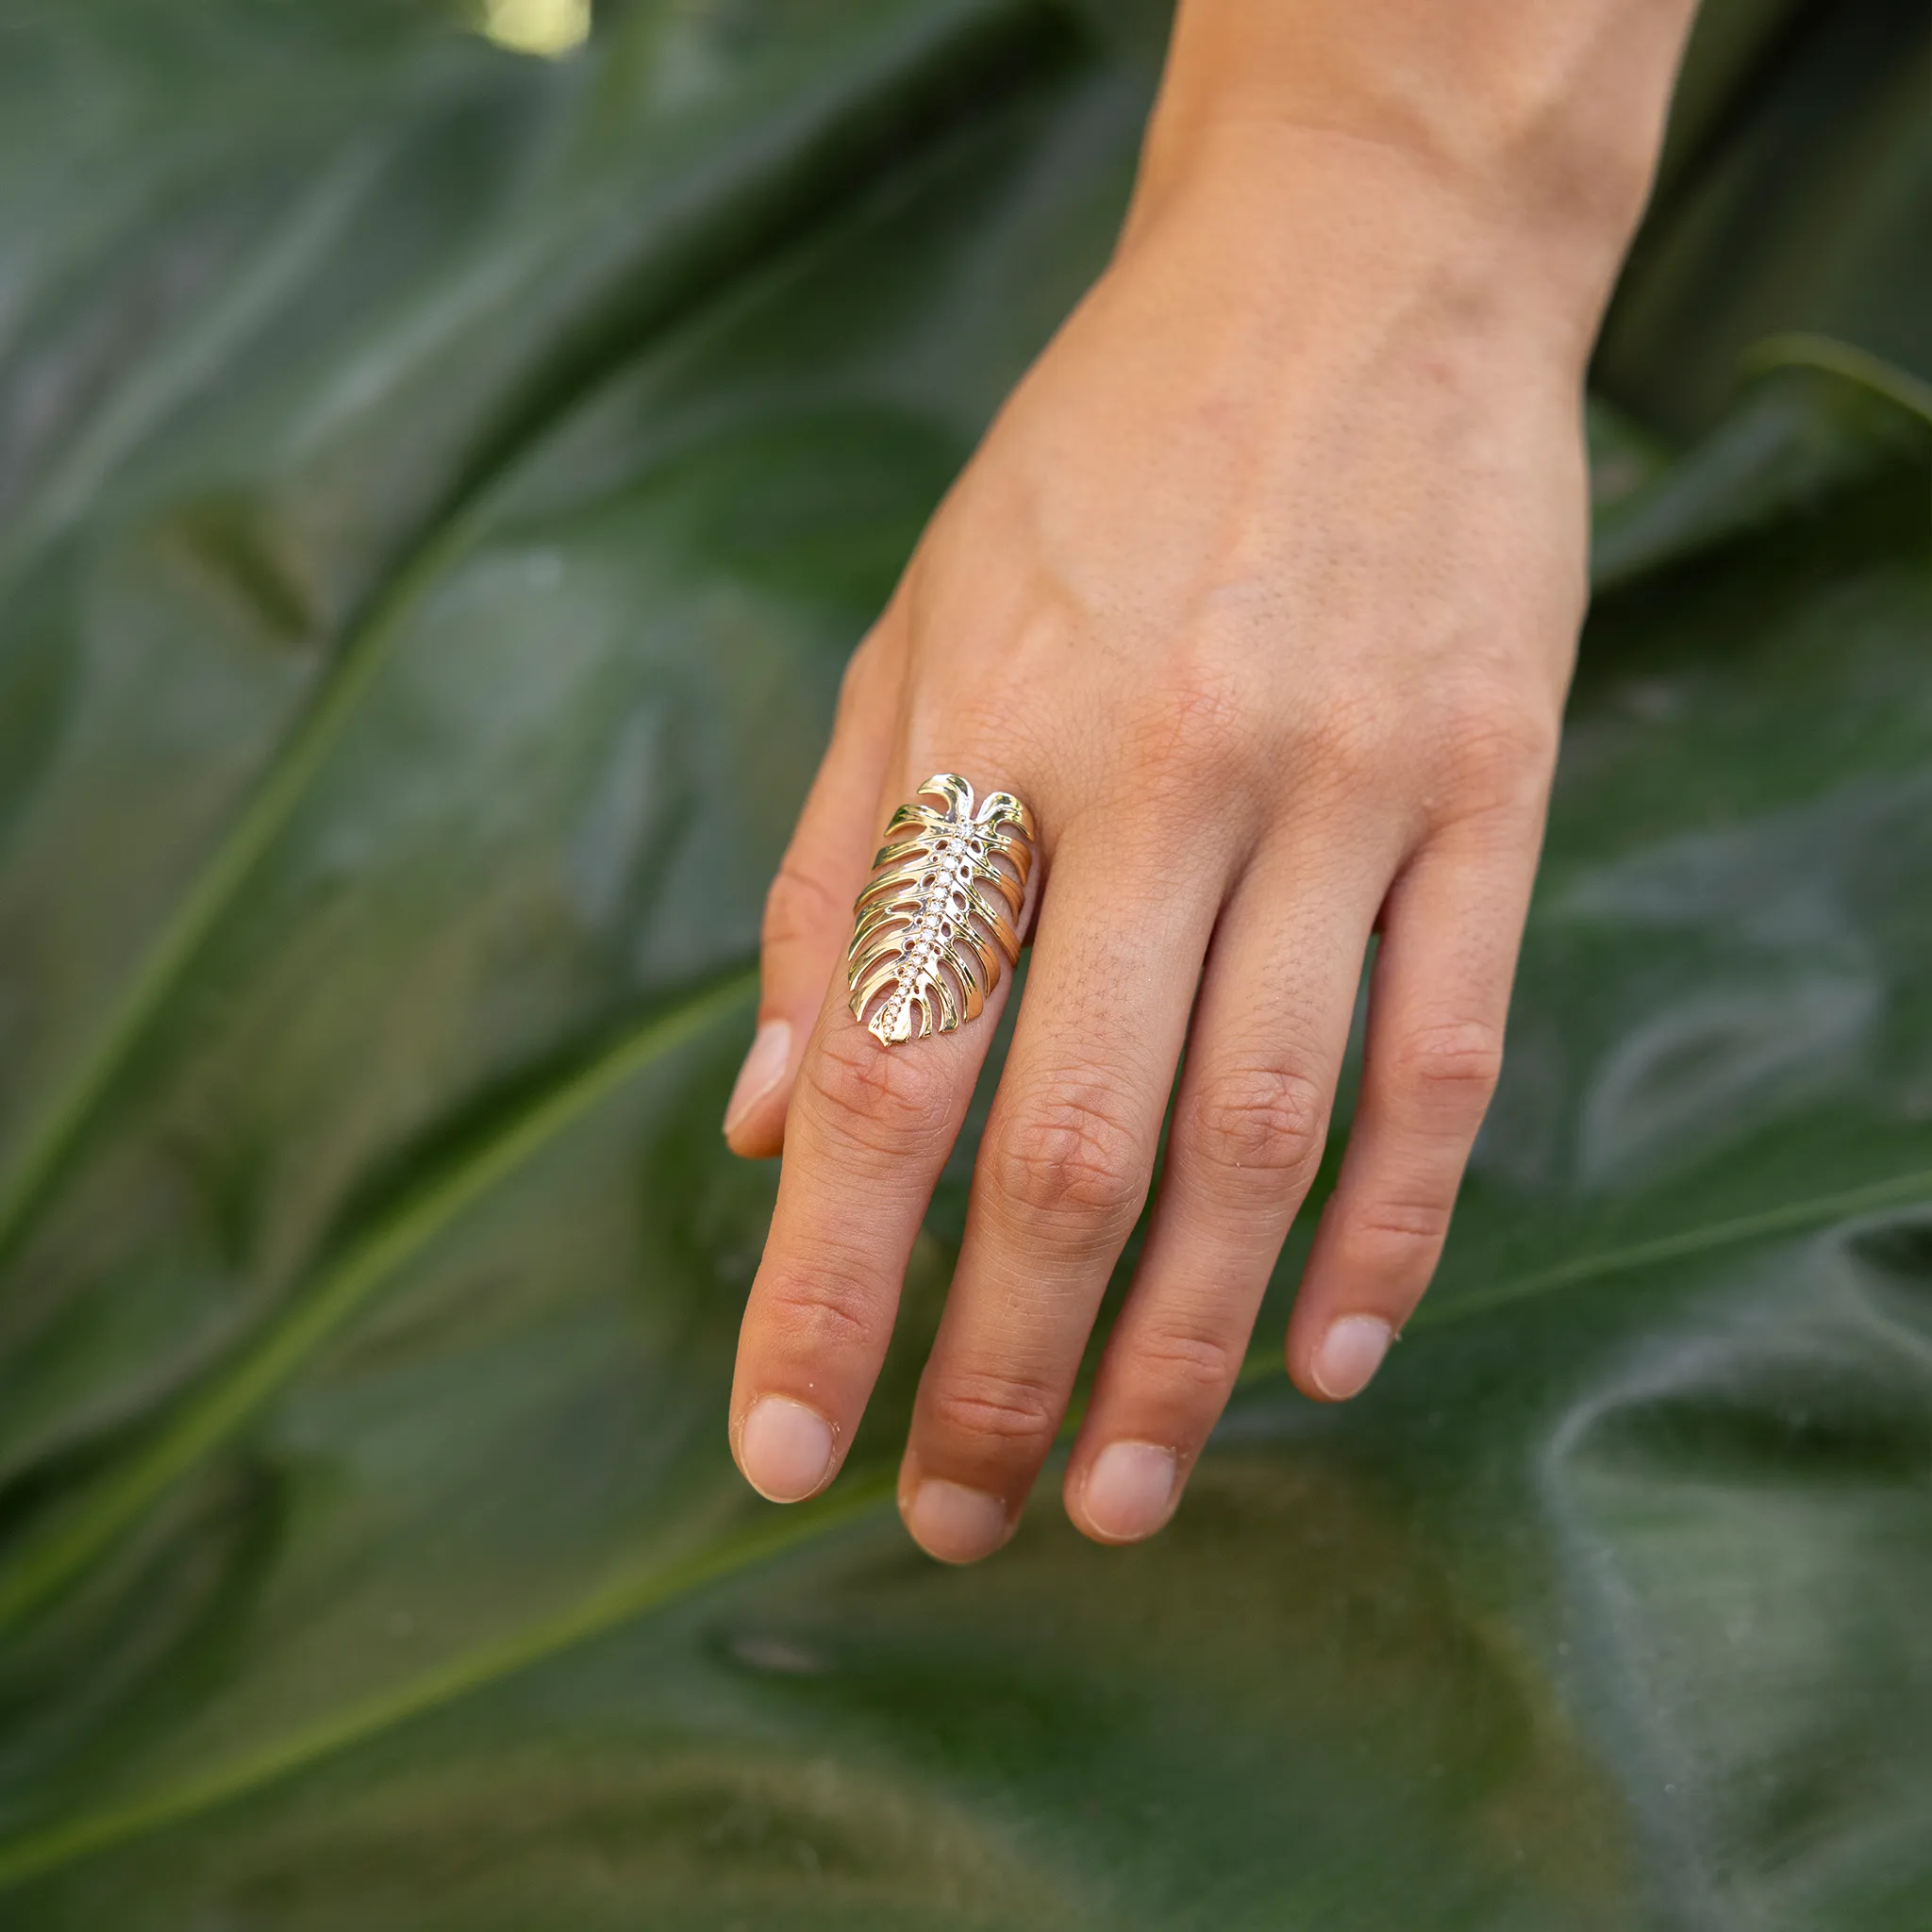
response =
{"points": [[943, 906]]}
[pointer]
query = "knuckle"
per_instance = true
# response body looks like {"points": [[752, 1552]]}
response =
{"points": [[1197, 1367], [1342, 747], [860, 668], [872, 667], [1393, 1240], [997, 712], [1069, 1154], [1410, 1221], [1005, 713], [855, 682], [812, 1314], [1007, 1409], [1498, 747], [1193, 732], [1267, 1120], [1453, 1066], [800, 906], [876, 1099], [1200, 715]]}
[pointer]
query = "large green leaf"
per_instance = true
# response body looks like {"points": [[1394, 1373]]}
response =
{"points": [[1802, 204], [441, 491]]}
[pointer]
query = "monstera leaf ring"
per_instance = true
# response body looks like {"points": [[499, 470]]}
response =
{"points": [[943, 906]]}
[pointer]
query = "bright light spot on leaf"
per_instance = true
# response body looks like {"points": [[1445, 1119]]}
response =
{"points": [[548, 27]]}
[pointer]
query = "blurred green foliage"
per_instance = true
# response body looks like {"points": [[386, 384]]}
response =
{"points": [[436, 493]]}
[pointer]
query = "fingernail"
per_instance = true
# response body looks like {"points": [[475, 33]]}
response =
{"points": [[784, 1449], [1129, 1490], [764, 1067], [1350, 1353], [955, 1523]]}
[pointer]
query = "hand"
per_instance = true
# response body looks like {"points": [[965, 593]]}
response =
{"points": [[1262, 593]]}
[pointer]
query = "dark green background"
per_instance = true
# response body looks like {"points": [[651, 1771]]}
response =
{"points": [[438, 491]]}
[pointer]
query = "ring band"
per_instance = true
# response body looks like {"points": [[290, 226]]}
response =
{"points": [[943, 906]]}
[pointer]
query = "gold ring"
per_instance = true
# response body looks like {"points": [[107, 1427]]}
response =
{"points": [[925, 914]]}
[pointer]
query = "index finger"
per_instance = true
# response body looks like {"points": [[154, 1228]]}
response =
{"points": [[870, 1128]]}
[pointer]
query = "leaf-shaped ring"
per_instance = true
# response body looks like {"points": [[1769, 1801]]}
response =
{"points": [[943, 906]]}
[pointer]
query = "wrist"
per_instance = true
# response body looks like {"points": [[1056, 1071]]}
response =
{"points": [[1303, 244], [1535, 124]]}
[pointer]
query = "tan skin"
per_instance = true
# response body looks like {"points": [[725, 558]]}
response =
{"points": [[1263, 591]]}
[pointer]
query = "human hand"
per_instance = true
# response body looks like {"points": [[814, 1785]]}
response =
{"points": [[1262, 593]]}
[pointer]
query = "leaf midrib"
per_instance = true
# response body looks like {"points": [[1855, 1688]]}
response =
{"points": [[607, 1607], [657, 1586], [244, 1383], [237, 1392], [926, 59], [933, 64]]}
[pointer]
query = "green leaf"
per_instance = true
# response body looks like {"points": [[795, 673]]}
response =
{"points": [[1817, 419], [1801, 208], [414, 641]]}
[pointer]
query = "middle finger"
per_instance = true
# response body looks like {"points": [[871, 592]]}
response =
{"points": [[1062, 1172]]}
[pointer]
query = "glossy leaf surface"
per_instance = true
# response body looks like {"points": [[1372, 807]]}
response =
{"points": [[440, 493]]}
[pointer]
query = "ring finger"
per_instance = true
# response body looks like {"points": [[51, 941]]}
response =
{"points": [[1250, 1120]]}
